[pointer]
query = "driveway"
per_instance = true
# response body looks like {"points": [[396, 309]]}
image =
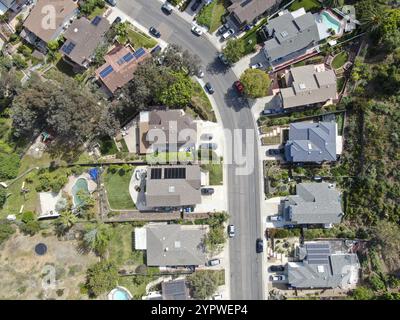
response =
{"points": [[213, 203]]}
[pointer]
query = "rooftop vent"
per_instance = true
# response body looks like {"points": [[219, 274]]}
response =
{"points": [[177, 244], [302, 86], [309, 146], [320, 269], [76, 30]]}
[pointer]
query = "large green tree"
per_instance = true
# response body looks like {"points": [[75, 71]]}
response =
{"points": [[101, 278], [256, 83], [97, 238], [203, 284], [234, 50], [178, 93]]}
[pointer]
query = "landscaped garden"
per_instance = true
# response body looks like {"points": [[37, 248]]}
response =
{"points": [[308, 5], [215, 173], [116, 180], [339, 60], [137, 38], [211, 15], [201, 104]]}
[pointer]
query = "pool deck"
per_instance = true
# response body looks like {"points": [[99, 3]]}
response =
{"points": [[72, 179]]}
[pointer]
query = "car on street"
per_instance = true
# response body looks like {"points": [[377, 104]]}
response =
{"points": [[213, 262], [231, 231], [209, 88], [210, 146], [239, 86], [112, 3], [274, 152], [207, 191], [257, 65], [197, 30], [155, 32], [259, 245], [223, 28], [195, 5], [228, 33], [217, 296], [206, 136], [222, 58], [167, 8], [278, 268], [281, 277], [274, 218]]}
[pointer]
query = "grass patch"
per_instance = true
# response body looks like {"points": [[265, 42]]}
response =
{"points": [[166, 157], [107, 146], [97, 12], [138, 39], [117, 186], [215, 173], [211, 15], [340, 123], [267, 141], [201, 104], [308, 5], [340, 59], [340, 83]]}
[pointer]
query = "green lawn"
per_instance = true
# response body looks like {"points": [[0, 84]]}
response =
{"points": [[201, 104], [340, 83], [138, 39], [210, 16], [340, 59], [166, 157], [117, 187], [107, 146], [215, 173], [308, 5], [97, 12]]}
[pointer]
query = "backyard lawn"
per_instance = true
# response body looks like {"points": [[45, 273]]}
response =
{"points": [[117, 186], [210, 16], [201, 104], [340, 59], [215, 173], [308, 5]]}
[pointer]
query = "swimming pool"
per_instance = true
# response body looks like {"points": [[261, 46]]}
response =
{"points": [[80, 184], [330, 22], [119, 293]]}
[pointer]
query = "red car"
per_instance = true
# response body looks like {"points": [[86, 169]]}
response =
{"points": [[239, 86]]}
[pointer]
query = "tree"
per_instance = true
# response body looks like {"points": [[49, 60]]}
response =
{"points": [[97, 238], [333, 3], [19, 62], [178, 93], [6, 230], [362, 293], [101, 278], [67, 219], [256, 83], [370, 15], [3, 197], [177, 59], [29, 224], [203, 284], [9, 165], [234, 50]]}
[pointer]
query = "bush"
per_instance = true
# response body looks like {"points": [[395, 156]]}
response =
{"points": [[9, 164], [6, 230], [3, 197], [19, 62], [101, 278]]}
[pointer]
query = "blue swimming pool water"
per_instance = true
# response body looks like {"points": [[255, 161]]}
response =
{"points": [[80, 184], [120, 295], [330, 21]]}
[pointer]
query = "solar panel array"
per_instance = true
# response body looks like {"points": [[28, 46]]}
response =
{"points": [[318, 253], [139, 52], [68, 47], [155, 173], [174, 173], [106, 71], [128, 57], [96, 20]]}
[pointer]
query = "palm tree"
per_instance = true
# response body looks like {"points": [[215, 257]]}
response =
{"points": [[372, 17], [66, 220], [97, 238], [333, 3]]}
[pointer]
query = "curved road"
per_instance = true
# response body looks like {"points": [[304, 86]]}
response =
{"points": [[243, 190]]}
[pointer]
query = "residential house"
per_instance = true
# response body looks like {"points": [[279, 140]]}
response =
{"points": [[175, 290], [291, 35], [13, 5], [83, 37], [173, 186], [121, 63], [321, 267], [309, 85], [172, 245], [313, 142], [314, 204], [41, 26], [165, 130], [248, 11]]}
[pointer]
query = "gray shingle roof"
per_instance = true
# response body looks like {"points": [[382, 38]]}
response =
{"points": [[337, 271], [311, 142], [290, 35], [175, 245], [170, 192], [314, 203], [247, 10], [307, 85]]}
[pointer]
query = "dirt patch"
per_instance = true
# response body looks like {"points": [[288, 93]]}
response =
{"points": [[55, 275]]}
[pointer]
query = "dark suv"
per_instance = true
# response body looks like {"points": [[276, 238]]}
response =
{"points": [[207, 191], [259, 245], [195, 5], [278, 268]]}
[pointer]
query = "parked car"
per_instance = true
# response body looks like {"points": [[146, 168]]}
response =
{"points": [[155, 32], [222, 58], [200, 73], [209, 88], [112, 3], [223, 28], [281, 277], [206, 136], [211, 146], [197, 30], [195, 5], [267, 112], [217, 296], [259, 245], [117, 20], [207, 191], [258, 65], [228, 33], [274, 218], [278, 268], [239, 86], [231, 231], [167, 8], [214, 262], [274, 152], [156, 49]]}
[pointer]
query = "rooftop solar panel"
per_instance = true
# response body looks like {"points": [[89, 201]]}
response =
{"points": [[318, 251], [128, 57], [139, 52], [317, 245], [106, 71], [318, 261], [174, 173], [155, 173], [68, 47], [96, 20]]}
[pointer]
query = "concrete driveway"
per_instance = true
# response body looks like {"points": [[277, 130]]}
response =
{"points": [[213, 203], [214, 129]]}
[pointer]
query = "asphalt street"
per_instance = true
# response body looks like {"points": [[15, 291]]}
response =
{"points": [[243, 190]]}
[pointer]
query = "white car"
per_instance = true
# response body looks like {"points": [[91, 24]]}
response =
{"points": [[196, 30], [257, 65], [217, 296], [278, 278], [227, 34]]}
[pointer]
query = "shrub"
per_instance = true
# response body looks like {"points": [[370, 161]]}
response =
{"points": [[6, 231]]}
